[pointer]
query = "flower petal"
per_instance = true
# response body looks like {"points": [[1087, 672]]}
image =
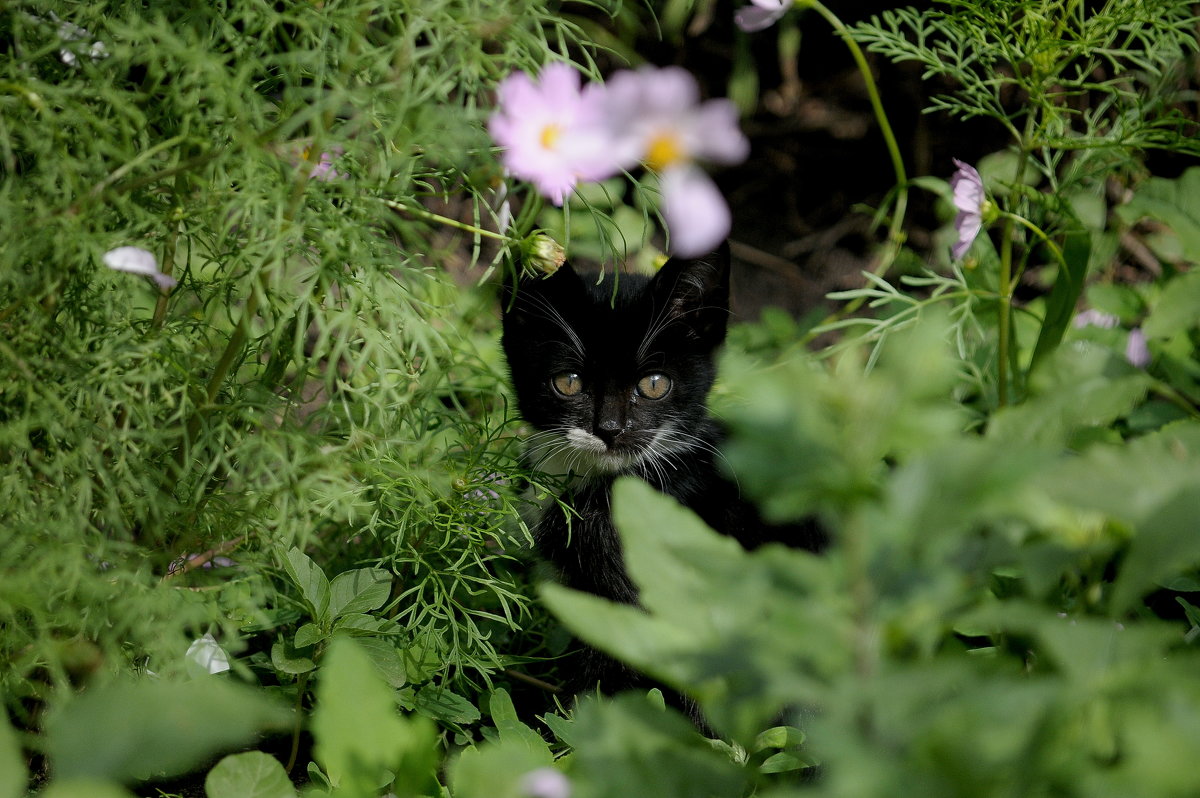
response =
{"points": [[696, 214], [136, 260], [760, 16], [1136, 350]]}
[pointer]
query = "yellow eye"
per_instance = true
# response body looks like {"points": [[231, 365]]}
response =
{"points": [[654, 386], [567, 384]]}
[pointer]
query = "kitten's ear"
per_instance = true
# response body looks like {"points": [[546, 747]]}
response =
{"points": [[527, 298], [695, 291]]}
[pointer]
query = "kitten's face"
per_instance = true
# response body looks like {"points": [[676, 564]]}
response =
{"points": [[616, 384]]}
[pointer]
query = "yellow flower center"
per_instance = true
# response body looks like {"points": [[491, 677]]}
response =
{"points": [[549, 137], [665, 149]]}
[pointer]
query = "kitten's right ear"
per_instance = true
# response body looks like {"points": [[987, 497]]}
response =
{"points": [[526, 296]]}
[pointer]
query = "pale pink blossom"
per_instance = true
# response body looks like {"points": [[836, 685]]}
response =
{"points": [[545, 783], [551, 130], [1136, 350], [969, 198], [656, 117], [1095, 318], [761, 15]]}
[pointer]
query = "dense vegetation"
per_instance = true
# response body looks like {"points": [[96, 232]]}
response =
{"points": [[260, 484]]}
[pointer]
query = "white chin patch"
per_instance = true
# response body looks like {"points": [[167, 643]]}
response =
{"points": [[590, 455]]}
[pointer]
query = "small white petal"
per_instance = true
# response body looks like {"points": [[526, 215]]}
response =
{"points": [[545, 783], [205, 655], [136, 260]]}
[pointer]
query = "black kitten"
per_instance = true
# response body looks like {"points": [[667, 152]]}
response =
{"points": [[616, 382]]}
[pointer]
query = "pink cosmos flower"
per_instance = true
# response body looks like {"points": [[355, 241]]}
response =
{"points": [[969, 197], [655, 116], [761, 15], [551, 130], [324, 171]]}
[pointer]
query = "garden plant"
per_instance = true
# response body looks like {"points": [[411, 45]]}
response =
{"points": [[262, 500]]}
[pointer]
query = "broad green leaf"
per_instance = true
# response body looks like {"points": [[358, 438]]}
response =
{"points": [[358, 591], [503, 769], [308, 635], [387, 659], [12, 765], [361, 623], [311, 580], [1178, 307], [359, 735], [134, 730], [510, 727], [83, 788], [1165, 544], [446, 705], [1176, 203], [252, 774], [285, 658], [659, 751]]}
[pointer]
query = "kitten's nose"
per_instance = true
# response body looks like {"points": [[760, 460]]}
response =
{"points": [[608, 430]]}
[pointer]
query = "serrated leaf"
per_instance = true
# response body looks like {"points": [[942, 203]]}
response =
{"points": [[360, 590], [252, 774]]}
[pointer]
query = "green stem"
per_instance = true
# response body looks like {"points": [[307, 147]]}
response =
{"points": [[1055, 250], [896, 228], [430, 216], [895, 231], [1005, 309], [301, 686]]}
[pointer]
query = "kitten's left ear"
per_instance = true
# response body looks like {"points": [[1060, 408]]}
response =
{"points": [[695, 292]]}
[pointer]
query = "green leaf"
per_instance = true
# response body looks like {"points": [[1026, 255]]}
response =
{"points": [[782, 762], [308, 635], [252, 774], [1064, 296], [12, 765], [1176, 203], [779, 737], [659, 751], [498, 770], [83, 788], [443, 704], [311, 580], [286, 659], [386, 658], [1166, 544], [360, 590], [360, 737], [510, 727], [134, 730], [1178, 307]]}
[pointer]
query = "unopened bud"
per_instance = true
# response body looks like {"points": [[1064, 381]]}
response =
{"points": [[544, 254]]}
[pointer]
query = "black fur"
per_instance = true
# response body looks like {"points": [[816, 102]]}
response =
{"points": [[672, 325]]}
